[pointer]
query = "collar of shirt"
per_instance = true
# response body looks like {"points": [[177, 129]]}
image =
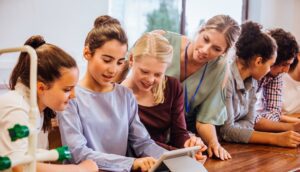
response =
{"points": [[267, 79], [241, 84]]}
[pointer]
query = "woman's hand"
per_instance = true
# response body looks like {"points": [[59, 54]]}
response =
{"points": [[217, 150]]}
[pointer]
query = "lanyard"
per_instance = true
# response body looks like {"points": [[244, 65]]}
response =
{"points": [[186, 103]]}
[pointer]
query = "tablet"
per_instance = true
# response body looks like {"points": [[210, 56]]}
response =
{"points": [[160, 166]]}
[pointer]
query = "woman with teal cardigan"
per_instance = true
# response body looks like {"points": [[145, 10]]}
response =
{"points": [[201, 67]]}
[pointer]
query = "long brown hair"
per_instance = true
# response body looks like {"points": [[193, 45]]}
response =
{"points": [[50, 60]]}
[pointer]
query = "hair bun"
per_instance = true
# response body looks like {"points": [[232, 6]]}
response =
{"points": [[250, 28], [254, 42], [250, 32], [35, 41], [105, 20]]}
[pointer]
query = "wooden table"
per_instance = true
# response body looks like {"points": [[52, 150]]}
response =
{"points": [[245, 157], [250, 157]]}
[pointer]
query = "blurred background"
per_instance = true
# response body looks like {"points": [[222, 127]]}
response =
{"points": [[66, 23]]}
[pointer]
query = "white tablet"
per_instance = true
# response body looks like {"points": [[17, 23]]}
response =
{"points": [[159, 166]]}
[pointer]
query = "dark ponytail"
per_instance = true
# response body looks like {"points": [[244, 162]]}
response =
{"points": [[21, 70], [51, 59]]}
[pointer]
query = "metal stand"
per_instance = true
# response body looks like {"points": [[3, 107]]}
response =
{"points": [[19, 132]]}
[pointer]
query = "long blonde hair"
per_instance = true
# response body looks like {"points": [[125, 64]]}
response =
{"points": [[157, 46]]}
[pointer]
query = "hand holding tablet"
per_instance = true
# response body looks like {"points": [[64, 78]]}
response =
{"points": [[179, 160]]}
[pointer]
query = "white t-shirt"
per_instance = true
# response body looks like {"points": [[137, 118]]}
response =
{"points": [[291, 94], [14, 109]]}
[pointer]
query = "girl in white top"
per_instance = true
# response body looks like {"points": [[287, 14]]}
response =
{"points": [[291, 90], [57, 76]]}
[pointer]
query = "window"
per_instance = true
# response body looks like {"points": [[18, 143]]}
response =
{"points": [[63, 23], [198, 11], [140, 16]]}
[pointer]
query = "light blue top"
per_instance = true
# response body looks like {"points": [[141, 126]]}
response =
{"points": [[99, 126], [240, 105], [209, 105]]}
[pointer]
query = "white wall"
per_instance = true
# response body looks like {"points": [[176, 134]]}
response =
{"points": [[61, 22], [277, 13]]}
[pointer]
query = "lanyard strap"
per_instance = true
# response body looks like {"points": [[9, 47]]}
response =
{"points": [[186, 100]]}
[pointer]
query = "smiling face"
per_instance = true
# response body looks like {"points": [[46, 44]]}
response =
{"points": [[208, 45], [106, 62], [147, 73], [57, 94]]}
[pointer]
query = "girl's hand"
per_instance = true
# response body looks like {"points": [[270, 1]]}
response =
{"points": [[196, 141], [144, 164]]}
